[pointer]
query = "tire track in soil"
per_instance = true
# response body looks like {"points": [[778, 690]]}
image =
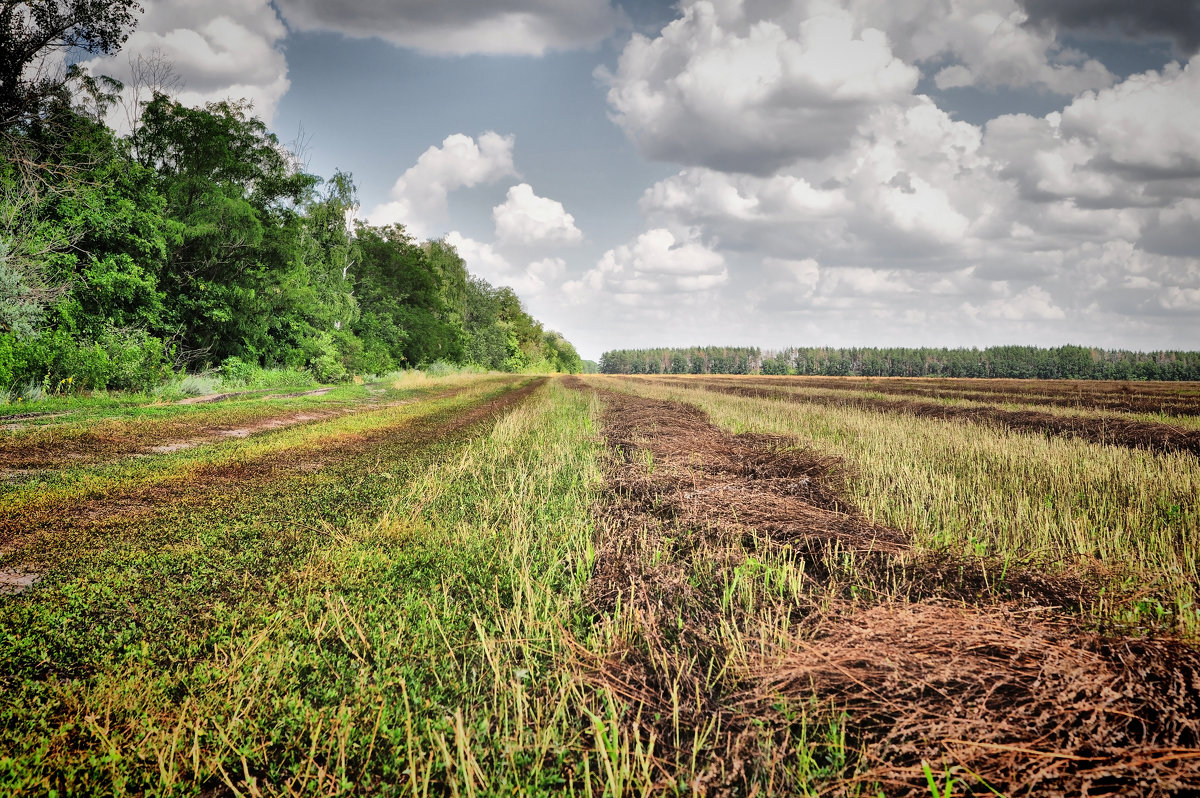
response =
{"points": [[23, 458], [201, 484], [941, 665], [1162, 438]]}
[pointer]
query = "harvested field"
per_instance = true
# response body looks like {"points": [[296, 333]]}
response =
{"points": [[1171, 399], [505, 585], [994, 680], [1096, 429], [90, 440]]}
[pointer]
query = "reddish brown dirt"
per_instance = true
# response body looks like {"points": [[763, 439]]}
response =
{"points": [[201, 483], [60, 448], [931, 659], [1168, 398], [217, 397], [1094, 429]]}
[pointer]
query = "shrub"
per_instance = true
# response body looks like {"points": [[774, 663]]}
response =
{"points": [[284, 377], [198, 385], [328, 368], [127, 360], [236, 372]]}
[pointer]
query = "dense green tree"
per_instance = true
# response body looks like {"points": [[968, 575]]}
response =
{"points": [[198, 241], [405, 317]]}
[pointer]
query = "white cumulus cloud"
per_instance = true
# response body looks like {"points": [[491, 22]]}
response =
{"points": [[1148, 124], [224, 49], [418, 198], [486, 261], [987, 42], [525, 219], [656, 263], [726, 88]]}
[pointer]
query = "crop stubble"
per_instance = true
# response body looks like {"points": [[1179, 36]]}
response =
{"points": [[1166, 398], [934, 658], [1109, 430]]}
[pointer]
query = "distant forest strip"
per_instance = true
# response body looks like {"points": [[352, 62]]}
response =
{"points": [[1008, 362], [197, 240]]}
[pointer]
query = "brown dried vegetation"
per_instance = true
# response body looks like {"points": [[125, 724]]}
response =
{"points": [[1172, 399], [1094, 428], [981, 671]]}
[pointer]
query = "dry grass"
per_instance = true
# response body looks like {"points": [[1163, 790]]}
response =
{"points": [[1061, 503], [1105, 428], [748, 604]]}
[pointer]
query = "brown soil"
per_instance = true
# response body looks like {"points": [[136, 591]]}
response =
{"points": [[205, 481], [1095, 429], [218, 397], [933, 659], [13, 581], [55, 449], [1175, 399]]}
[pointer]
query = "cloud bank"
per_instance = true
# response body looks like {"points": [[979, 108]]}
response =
{"points": [[222, 49], [823, 198], [462, 27]]}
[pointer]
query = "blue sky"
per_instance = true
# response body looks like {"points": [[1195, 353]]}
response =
{"points": [[766, 172]]}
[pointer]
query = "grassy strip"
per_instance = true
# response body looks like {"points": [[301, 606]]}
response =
{"points": [[98, 436], [50, 494], [291, 643], [980, 490]]}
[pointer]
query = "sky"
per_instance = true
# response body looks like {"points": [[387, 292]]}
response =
{"points": [[752, 172]]}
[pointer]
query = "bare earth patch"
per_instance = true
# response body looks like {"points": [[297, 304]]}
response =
{"points": [[13, 580]]}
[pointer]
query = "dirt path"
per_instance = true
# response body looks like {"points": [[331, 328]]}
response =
{"points": [[112, 441], [934, 660], [1094, 429], [200, 484]]}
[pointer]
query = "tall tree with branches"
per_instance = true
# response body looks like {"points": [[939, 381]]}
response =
{"points": [[36, 36]]}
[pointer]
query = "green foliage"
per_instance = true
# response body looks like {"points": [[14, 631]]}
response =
{"points": [[196, 240], [237, 373], [119, 359], [1064, 362], [440, 368], [696, 360]]}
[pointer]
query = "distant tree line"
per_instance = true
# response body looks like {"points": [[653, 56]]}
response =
{"points": [[198, 240], [694, 360], [1012, 362]]}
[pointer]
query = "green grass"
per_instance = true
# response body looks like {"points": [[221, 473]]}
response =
{"points": [[393, 620]]}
